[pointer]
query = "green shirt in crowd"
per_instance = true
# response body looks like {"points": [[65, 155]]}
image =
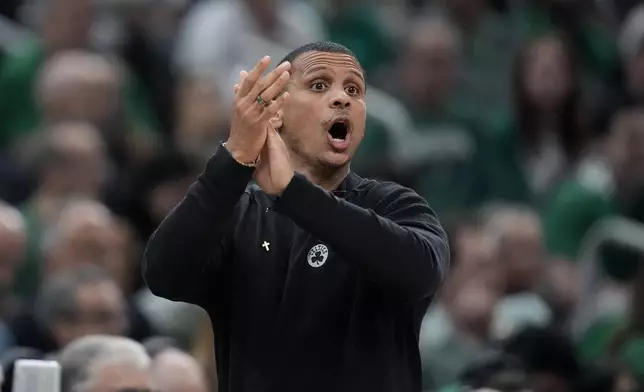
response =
{"points": [[19, 113], [448, 153], [578, 205]]}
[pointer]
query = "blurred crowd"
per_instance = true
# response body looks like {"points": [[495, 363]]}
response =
{"points": [[520, 121]]}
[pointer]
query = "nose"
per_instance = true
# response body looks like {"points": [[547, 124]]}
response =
{"points": [[340, 100]]}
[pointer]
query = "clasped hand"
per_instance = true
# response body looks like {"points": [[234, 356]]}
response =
{"points": [[253, 134]]}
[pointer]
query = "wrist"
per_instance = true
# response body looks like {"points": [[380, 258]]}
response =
{"points": [[242, 158], [286, 182]]}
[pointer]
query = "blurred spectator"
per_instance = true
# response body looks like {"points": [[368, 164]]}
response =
{"points": [[73, 304], [104, 363], [87, 234], [489, 43], [148, 30], [70, 161], [548, 357], [81, 86], [580, 21], [518, 232], [443, 152], [491, 293], [158, 187], [609, 182], [359, 26], [65, 26], [201, 119], [474, 258], [473, 277], [221, 37], [467, 327], [631, 42], [176, 371], [521, 254], [540, 147]]}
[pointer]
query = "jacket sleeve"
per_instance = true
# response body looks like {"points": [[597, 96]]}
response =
{"points": [[189, 244], [399, 245]]}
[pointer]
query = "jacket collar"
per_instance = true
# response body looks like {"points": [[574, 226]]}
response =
{"points": [[350, 182]]}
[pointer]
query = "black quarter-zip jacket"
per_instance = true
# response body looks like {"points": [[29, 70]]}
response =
{"points": [[314, 291]]}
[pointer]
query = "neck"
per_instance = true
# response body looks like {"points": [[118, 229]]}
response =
{"points": [[328, 178]]}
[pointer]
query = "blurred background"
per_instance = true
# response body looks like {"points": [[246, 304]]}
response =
{"points": [[520, 121]]}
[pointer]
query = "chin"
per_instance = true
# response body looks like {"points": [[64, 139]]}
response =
{"points": [[335, 160]]}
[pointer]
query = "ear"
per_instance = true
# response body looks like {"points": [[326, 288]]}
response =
{"points": [[277, 120]]}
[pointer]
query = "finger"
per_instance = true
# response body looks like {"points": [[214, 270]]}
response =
{"points": [[268, 80], [263, 155], [242, 76], [272, 109], [276, 88], [275, 141], [270, 138], [254, 75]]}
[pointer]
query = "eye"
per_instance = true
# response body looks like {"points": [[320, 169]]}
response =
{"points": [[353, 90], [318, 86]]}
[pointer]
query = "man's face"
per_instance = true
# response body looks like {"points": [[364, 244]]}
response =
{"points": [[522, 254], [87, 243], [119, 377], [100, 309], [324, 120], [94, 100], [201, 122], [546, 73], [81, 170]]}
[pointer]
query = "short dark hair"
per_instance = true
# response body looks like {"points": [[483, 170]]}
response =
{"points": [[321, 46], [544, 350]]}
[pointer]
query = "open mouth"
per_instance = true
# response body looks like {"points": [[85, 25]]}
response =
{"points": [[339, 130]]}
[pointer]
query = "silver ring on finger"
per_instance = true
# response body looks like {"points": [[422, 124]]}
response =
{"points": [[261, 101]]}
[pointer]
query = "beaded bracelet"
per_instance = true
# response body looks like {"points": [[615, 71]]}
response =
{"points": [[252, 164]]}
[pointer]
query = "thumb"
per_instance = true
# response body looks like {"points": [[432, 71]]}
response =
{"points": [[277, 143], [271, 139]]}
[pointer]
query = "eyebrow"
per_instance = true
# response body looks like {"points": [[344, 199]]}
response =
{"points": [[318, 68]]}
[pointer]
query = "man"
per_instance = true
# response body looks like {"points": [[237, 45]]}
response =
{"points": [[63, 25], [70, 161], [175, 371], [104, 363], [72, 304], [315, 279]]}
